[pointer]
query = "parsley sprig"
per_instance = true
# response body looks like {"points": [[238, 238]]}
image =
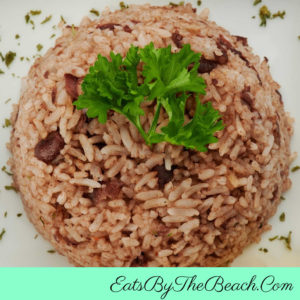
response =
{"points": [[169, 79]]}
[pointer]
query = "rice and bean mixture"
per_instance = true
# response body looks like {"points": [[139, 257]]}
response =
{"points": [[102, 197]]}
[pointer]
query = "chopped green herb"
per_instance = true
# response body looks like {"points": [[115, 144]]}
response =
{"points": [[51, 251], [296, 168], [36, 236], [27, 18], [5, 171], [279, 14], [52, 36], [256, 2], [287, 240], [22, 58], [9, 58], [123, 5], [265, 250], [95, 12], [47, 19], [1, 72], [6, 124], [2, 233], [199, 2], [282, 198], [73, 30], [32, 23], [19, 215], [6, 101], [39, 47], [35, 12], [299, 37], [5, 214], [167, 81], [42, 220], [10, 188], [2, 57], [264, 14], [62, 19], [170, 234], [27, 58], [177, 4], [282, 217], [17, 36]]}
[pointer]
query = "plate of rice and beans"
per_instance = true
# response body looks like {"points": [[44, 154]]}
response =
{"points": [[147, 135]]}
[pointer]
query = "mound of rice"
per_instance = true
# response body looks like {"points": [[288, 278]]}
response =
{"points": [[102, 197]]}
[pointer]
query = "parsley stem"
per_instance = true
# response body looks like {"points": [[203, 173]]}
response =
{"points": [[155, 120]]}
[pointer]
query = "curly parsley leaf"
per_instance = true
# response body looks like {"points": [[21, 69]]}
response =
{"points": [[169, 79]]}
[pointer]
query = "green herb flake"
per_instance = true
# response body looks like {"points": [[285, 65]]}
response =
{"points": [[17, 36], [282, 198], [181, 3], [2, 234], [95, 12], [296, 168], [10, 188], [39, 47], [73, 30], [35, 12], [42, 220], [3, 169], [2, 57], [5, 214], [279, 14], [9, 58], [62, 19], [36, 236], [27, 18], [264, 14], [123, 5], [47, 19], [51, 251], [19, 215], [287, 240], [6, 124], [169, 234], [256, 2], [6, 101], [199, 2], [1, 71], [52, 36], [282, 217], [299, 37], [167, 81], [265, 250]]}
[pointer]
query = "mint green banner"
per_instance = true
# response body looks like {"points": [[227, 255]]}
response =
{"points": [[149, 283]]}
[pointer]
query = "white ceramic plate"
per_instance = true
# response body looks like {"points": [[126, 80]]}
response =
{"points": [[278, 41]]}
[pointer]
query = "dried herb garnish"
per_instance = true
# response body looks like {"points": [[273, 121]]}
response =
{"points": [[35, 12], [27, 18], [17, 36], [299, 37], [52, 36], [42, 220], [264, 14], [296, 168], [123, 5], [39, 47], [51, 251], [282, 198], [3, 169], [282, 217], [273, 238], [181, 3], [1, 72], [2, 233], [279, 14], [6, 101], [256, 2], [95, 12], [19, 215], [199, 2], [7, 123], [10, 188], [287, 240], [9, 58], [47, 19], [2, 57], [36, 236], [265, 250], [5, 214], [62, 19], [73, 30]]}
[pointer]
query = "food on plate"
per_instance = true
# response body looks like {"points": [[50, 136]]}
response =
{"points": [[107, 188]]}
